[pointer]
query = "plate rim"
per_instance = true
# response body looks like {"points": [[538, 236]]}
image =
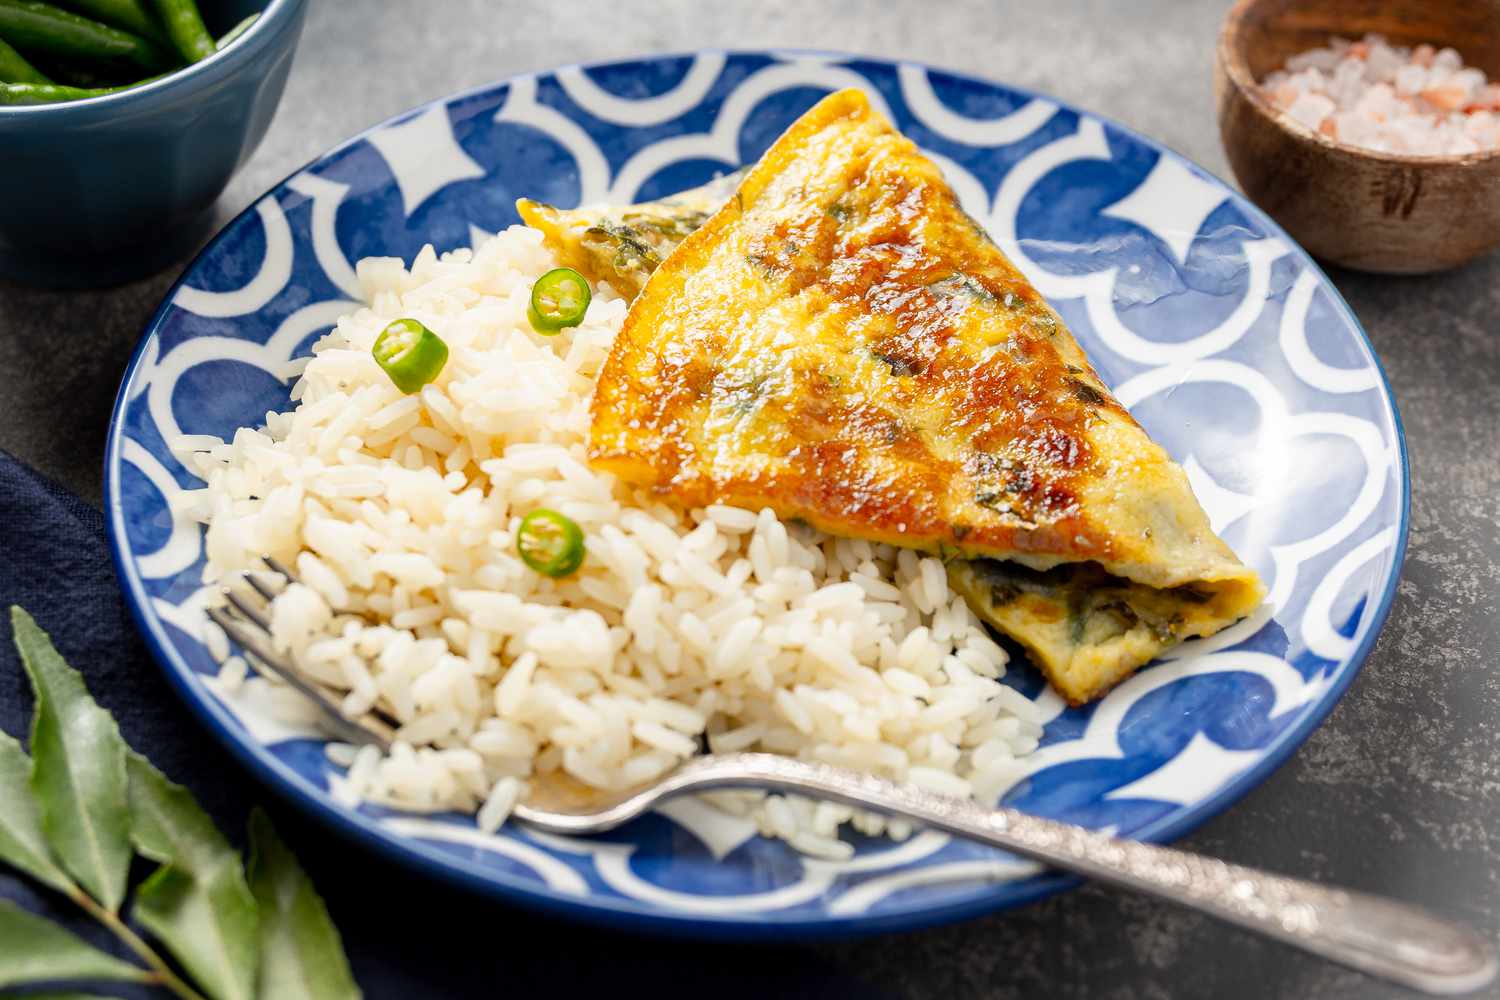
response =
{"points": [[624, 912]]}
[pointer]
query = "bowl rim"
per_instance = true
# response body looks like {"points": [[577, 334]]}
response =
{"points": [[1236, 69], [220, 65]]}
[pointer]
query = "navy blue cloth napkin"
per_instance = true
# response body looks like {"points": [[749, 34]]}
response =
{"points": [[406, 937]]}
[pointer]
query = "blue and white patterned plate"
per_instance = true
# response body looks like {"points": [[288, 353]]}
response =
{"points": [[1211, 325]]}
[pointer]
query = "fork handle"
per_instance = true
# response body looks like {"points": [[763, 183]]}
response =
{"points": [[1382, 937]]}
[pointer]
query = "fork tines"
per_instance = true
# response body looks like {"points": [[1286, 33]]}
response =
{"points": [[246, 620]]}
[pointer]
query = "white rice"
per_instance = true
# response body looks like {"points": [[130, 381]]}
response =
{"points": [[400, 512]]}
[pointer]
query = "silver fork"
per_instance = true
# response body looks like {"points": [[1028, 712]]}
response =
{"points": [[245, 621], [1382, 937]]}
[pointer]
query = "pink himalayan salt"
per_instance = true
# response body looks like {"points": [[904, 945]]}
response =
{"points": [[1368, 93]]}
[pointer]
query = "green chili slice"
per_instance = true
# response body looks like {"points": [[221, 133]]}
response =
{"points": [[558, 299], [550, 543], [411, 354]]}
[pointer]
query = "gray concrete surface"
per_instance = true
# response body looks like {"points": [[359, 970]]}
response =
{"points": [[1398, 793]]}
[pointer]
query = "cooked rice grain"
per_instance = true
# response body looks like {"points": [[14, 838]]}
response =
{"points": [[720, 623]]}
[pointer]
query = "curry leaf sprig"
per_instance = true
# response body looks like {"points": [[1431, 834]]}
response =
{"points": [[82, 805]]}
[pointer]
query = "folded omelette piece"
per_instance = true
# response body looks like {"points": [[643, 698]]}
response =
{"points": [[623, 246], [841, 343]]}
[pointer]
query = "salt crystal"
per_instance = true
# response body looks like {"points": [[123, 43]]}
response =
{"points": [[1284, 95], [1437, 76], [1446, 97], [1371, 94], [1409, 135], [1377, 103], [1459, 145], [1320, 59], [1472, 81], [1410, 79], [1311, 109], [1309, 81], [1348, 82], [1354, 129], [1382, 63]]}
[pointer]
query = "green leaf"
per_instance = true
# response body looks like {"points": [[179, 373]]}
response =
{"points": [[197, 903], [22, 844], [168, 825], [78, 771], [301, 956], [38, 951], [204, 927]]}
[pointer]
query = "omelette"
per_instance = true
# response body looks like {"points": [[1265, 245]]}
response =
{"points": [[837, 340], [622, 247]]}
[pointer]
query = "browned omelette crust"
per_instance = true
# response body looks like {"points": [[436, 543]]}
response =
{"points": [[843, 344]]}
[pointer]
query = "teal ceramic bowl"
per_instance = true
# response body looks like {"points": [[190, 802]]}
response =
{"points": [[101, 191]]}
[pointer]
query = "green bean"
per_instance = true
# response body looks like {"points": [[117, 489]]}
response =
{"points": [[186, 28], [51, 93], [41, 27], [236, 31], [127, 15], [15, 69]]}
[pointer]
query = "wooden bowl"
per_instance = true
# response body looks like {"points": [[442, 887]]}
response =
{"points": [[1384, 212]]}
